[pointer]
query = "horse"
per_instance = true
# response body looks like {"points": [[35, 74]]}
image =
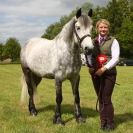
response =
{"points": [[57, 59]]}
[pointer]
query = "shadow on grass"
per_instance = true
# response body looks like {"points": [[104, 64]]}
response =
{"points": [[69, 109], [87, 113], [123, 118]]}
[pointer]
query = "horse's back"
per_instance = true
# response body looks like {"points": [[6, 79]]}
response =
{"points": [[36, 44], [36, 55]]}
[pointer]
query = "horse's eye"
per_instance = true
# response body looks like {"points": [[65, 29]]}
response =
{"points": [[78, 28]]}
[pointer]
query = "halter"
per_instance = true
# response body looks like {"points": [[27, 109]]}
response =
{"points": [[82, 38]]}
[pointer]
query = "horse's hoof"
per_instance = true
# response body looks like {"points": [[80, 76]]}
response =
{"points": [[80, 120], [58, 120], [33, 112]]}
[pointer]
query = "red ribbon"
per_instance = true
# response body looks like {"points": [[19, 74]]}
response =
{"points": [[101, 59]]}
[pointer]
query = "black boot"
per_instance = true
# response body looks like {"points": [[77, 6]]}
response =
{"points": [[103, 125], [110, 126]]}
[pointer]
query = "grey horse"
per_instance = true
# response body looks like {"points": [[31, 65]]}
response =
{"points": [[57, 59]]}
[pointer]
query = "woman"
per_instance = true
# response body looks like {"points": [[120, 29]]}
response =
{"points": [[104, 73]]}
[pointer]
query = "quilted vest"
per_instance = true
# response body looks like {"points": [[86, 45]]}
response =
{"points": [[105, 47]]}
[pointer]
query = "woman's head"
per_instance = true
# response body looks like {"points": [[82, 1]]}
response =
{"points": [[102, 27]]}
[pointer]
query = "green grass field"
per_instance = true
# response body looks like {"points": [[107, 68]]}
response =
{"points": [[16, 119]]}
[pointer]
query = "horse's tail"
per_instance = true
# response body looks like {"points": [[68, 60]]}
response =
{"points": [[24, 91]]}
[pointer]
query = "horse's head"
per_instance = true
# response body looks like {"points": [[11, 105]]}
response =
{"points": [[82, 30]]}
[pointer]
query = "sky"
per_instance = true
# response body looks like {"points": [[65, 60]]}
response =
{"points": [[24, 19]]}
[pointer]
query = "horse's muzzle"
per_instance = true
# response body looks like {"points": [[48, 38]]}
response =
{"points": [[88, 51]]}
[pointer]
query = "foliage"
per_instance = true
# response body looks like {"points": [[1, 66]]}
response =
{"points": [[12, 49], [118, 12], [120, 15], [15, 118], [126, 39], [55, 28], [1, 51]]}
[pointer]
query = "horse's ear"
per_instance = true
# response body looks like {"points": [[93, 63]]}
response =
{"points": [[78, 14], [90, 13]]}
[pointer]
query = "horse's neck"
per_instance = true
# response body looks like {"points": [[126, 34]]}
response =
{"points": [[66, 37], [67, 32]]}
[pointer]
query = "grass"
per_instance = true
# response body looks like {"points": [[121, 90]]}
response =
{"points": [[16, 119]]}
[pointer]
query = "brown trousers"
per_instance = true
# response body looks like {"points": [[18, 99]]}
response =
{"points": [[104, 86]]}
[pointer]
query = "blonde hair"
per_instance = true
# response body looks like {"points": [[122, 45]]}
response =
{"points": [[102, 21]]}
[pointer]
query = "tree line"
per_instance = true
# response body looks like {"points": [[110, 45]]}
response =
{"points": [[120, 15], [118, 12], [10, 50]]}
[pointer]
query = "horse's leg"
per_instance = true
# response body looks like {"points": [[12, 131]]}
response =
{"points": [[36, 79], [75, 88], [31, 84], [57, 117]]}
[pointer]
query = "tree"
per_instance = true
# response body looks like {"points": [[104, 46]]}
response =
{"points": [[126, 39], [55, 28], [120, 15], [1, 51], [12, 49]]}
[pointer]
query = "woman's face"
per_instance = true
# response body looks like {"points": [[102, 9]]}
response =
{"points": [[103, 29]]}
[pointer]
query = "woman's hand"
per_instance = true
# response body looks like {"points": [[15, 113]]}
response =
{"points": [[100, 71]]}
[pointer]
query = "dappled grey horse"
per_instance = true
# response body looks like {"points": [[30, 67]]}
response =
{"points": [[57, 59]]}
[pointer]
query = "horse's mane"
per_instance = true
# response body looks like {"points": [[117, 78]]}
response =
{"points": [[67, 31]]}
